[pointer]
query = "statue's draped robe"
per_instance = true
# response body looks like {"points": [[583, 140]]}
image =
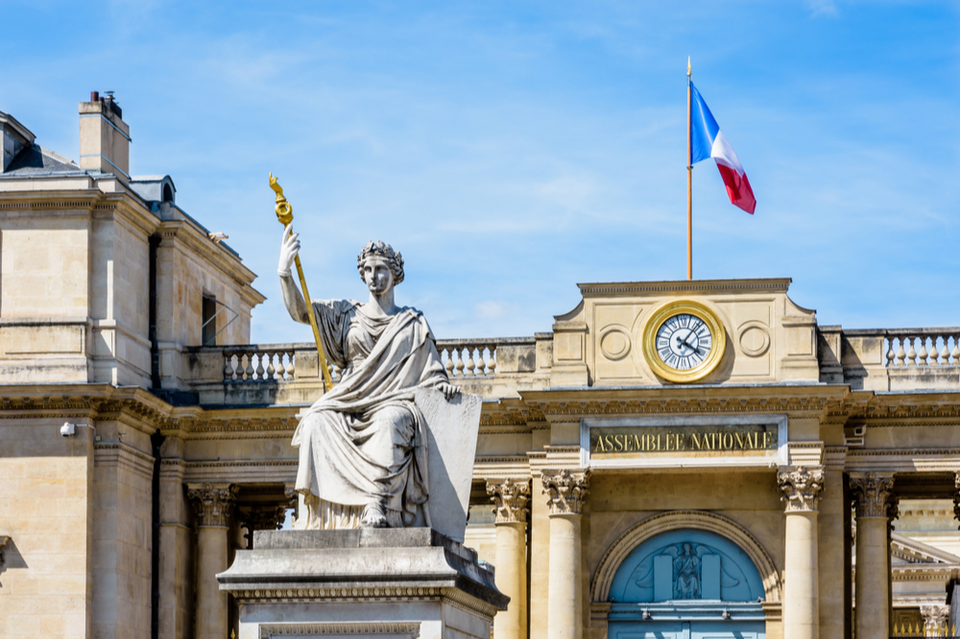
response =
{"points": [[364, 441]]}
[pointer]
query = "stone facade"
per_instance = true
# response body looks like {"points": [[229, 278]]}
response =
{"points": [[585, 459]]}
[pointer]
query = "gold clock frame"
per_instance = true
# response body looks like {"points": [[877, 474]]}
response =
{"points": [[709, 318]]}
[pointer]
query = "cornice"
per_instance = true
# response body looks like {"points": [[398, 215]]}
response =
{"points": [[181, 231], [610, 289]]}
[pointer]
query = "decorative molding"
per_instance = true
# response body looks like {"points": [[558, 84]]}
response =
{"points": [[805, 454], [123, 456], [340, 629], [511, 499], [704, 520], [213, 503], [565, 491], [802, 488], [872, 492], [490, 468]]}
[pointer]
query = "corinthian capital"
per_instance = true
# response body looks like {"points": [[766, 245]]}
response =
{"points": [[565, 491], [801, 488], [510, 499], [212, 503], [873, 493]]}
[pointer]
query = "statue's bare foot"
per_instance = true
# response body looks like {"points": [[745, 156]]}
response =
{"points": [[373, 517]]}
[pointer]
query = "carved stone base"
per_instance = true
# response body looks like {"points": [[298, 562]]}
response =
{"points": [[373, 583]]}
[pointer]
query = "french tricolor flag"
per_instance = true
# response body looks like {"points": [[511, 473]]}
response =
{"points": [[707, 141]]}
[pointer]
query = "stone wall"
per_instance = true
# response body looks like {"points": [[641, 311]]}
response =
{"points": [[46, 507]]}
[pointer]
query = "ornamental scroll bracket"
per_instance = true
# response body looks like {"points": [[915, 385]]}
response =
{"points": [[566, 490], [801, 488], [511, 500]]}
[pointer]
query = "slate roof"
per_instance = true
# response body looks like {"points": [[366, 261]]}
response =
{"points": [[34, 160]]}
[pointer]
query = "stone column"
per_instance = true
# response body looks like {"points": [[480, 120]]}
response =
{"points": [[801, 602], [213, 504], [511, 499], [872, 493], [566, 492]]}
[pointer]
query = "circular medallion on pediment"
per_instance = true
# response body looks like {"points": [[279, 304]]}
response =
{"points": [[754, 339], [615, 343]]}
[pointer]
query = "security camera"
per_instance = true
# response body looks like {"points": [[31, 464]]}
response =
{"points": [[68, 429]]}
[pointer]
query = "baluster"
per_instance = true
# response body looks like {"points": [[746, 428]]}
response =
{"points": [[248, 369], [481, 363], [492, 361], [945, 352], [291, 365], [459, 365], [890, 352], [448, 351], [901, 354], [281, 372], [469, 370], [955, 354], [922, 356], [912, 354], [259, 370], [227, 366], [271, 371]]}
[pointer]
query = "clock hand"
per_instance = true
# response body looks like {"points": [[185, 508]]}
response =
{"points": [[687, 344]]}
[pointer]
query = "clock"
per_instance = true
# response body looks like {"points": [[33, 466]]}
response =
{"points": [[683, 341]]}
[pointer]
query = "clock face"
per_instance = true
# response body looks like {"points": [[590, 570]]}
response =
{"points": [[684, 341]]}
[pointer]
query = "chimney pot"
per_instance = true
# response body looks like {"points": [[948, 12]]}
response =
{"points": [[94, 96]]}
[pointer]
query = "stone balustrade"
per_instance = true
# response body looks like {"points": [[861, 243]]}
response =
{"points": [[891, 359], [289, 372]]}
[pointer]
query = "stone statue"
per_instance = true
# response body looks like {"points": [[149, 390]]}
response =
{"points": [[363, 458], [686, 574]]}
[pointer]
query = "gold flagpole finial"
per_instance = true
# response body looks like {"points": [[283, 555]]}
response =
{"points": [[688, 66]]}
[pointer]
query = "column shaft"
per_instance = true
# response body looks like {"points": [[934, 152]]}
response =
{"points": [[211, 602], [512, 579], [873, 578], [801, 606], [874, 497], [565, 610]]}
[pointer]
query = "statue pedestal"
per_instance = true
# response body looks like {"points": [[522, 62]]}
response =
{"points": [[372, 583]]}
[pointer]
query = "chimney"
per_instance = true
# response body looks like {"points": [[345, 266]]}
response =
{"points": [[13, 138], [104, 136]]}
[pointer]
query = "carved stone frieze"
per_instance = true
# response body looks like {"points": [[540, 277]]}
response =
{"points": [[801, 488], [565, 490], [511, 499], [872, 492], [213, 503]]}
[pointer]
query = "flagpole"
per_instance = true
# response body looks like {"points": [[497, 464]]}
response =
{"points": [[689, 183]]}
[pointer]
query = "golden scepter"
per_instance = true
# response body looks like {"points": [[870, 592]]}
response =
{"points": [[285, 215]]}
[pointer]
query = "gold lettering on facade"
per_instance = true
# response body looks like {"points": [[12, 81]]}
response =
{"points": [[620, 440]]}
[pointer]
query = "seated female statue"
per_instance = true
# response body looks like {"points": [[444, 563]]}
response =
{"points": [[363, 458]]}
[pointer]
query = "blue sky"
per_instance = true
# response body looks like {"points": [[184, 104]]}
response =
{"points": [[512, 149]]}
